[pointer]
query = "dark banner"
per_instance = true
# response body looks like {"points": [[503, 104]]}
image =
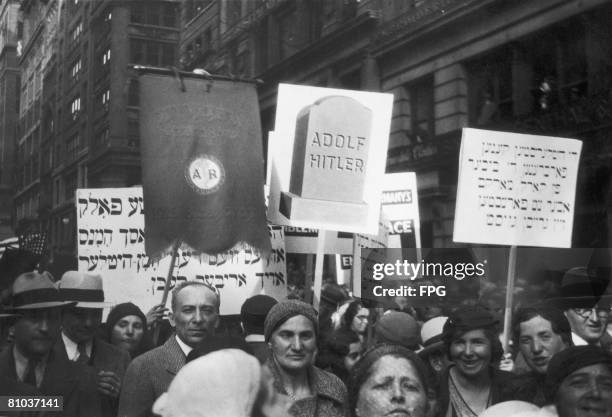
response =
{"points": [[202, 164]]}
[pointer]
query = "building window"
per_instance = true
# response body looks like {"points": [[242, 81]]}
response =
{"points": [[137, 12], [490, 88], [233, 12], [421, 109], [106, 57], [558, 60], [156, 14], [168, 15], [75, 107], [70, 186], [105, 99], [102, 137], [75, 69], [72, 147], [133, 133], [76, 32], [152, 53]]}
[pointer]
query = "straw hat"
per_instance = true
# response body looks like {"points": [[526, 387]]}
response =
{"points": [[431, 335], [34, 290], [83, 288]]}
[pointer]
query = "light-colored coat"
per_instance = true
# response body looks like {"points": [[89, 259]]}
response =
{"points": [[149, 376]]}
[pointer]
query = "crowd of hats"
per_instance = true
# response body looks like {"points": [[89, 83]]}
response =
{"points": [[36, 290]]}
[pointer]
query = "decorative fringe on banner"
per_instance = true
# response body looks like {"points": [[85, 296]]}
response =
{"points": [[202, 164]]}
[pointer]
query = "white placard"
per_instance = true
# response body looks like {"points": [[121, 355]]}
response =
{"points": [[110, 238], [400, 204], [379, 240], [516, 189], [292, 99]]}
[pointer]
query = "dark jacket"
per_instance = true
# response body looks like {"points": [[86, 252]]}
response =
{"points": [[260, 350], [330, 399], [527, 387], [74, 382], [498, 380], [148, 377], [104, 357]]}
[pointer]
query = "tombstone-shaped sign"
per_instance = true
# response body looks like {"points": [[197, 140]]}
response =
{"points": [[330, 156]]}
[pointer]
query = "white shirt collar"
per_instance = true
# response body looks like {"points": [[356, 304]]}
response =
{"points": [[184, 347], [578, 341], [72, 349], [255, 338]]}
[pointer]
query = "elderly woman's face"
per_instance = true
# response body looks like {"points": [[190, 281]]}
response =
{"points": [[471, 352], [127, 333], [294, 343], [392, 389]]}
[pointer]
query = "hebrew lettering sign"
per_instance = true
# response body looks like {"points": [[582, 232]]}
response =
{"points": [[111, 236], [516, 189]]}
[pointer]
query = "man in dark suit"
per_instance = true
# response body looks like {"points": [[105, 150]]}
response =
{"points": [[78, 343], [252, 316], [194, 316], [30, 361]]}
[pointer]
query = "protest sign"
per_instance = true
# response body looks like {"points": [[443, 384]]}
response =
{"points": [[400, 204], [344, 267], [303, 240], [516, 189], [111, 240], [361, 260], [202, 163], [328, 158]]}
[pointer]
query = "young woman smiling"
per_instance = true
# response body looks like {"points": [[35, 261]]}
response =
{"points": [[472, 383]]}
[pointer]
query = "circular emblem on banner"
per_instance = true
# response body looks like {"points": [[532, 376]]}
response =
{"points": [[205, 174]]}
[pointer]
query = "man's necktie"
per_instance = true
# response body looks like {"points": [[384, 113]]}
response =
{"points": [[83, 357], [30, 373]]}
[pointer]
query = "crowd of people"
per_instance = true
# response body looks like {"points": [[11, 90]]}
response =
{"points": [[347, 359]]}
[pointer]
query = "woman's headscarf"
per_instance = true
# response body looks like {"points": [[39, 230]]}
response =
{"points": [[120, 311], [221, 384]]}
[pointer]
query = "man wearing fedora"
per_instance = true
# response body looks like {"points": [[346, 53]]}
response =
{"points": [[80, 324], [31, 360], [195, 317], [584, 304]]}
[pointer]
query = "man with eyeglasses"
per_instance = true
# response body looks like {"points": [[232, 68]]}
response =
{"points": [[584, 306]]}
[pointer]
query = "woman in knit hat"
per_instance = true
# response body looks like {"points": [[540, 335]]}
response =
{"points": [[472, 383], [388, 380], [291, 330], [125, 328]]}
